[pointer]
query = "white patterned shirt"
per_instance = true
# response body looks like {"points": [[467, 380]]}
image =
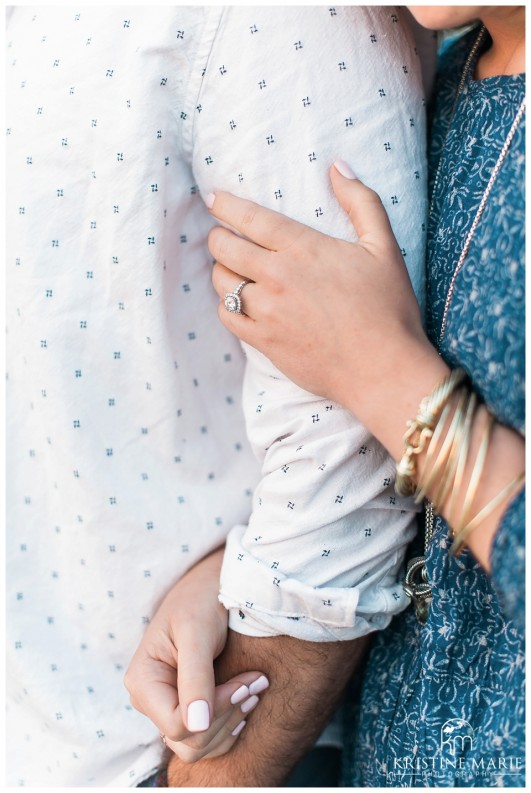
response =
{"points": [[128, 455]]}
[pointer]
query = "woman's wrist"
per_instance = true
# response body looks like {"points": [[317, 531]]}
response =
{"points": [[202, 577], [390, 395], [451, 448], [504, 464]]}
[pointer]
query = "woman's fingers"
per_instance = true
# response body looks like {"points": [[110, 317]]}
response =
{"points": [[240, 255], [269, 229], [190, 751], [363, 205], [178, 700], [225, 281], [233, 702], [320, 308], [152, 684], [195, 677], [274, 232], [278, 237]]}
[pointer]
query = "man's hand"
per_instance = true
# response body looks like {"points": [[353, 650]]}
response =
{"points": [[307, 681], [171, 676]]}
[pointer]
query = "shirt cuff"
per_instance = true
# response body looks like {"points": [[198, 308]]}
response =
{"points": [[275, 604]]}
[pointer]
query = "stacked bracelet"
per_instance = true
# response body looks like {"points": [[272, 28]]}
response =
{"points": [[443, 427], [449, 466], [459, 537], [420, 431]]}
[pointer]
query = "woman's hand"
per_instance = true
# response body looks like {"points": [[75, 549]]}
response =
{"points": [[171, 676], [342, 321], [338, 318]]}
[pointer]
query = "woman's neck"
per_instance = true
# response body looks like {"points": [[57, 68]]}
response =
{"points": [[506, 27]]}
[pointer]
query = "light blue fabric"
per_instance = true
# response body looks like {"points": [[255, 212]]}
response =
{"points": [[443, 705]]}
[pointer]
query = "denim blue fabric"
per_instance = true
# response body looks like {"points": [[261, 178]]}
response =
{"points": [[443, 705]]}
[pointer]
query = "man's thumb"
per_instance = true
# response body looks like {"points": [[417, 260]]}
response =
{"points": [[363, 206]]}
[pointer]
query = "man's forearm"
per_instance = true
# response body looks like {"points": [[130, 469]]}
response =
{"points": [[306, 683]]}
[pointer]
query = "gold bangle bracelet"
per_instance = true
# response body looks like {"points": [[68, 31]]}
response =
{"points": [[445, 462], [463, 454], [508, 492], [477, 470], [432, 471], [420, 430]]}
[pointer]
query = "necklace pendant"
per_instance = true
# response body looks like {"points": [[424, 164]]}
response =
{"points": [[417, 588]]}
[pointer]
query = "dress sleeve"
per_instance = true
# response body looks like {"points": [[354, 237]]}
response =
{"points": [[508, 561], [285, 93]]}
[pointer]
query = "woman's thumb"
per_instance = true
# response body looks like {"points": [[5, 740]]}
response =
{"points": [[363, 206], [195, 681]]}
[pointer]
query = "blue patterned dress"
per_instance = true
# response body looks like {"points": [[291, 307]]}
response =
{"points": [[443, 705]]}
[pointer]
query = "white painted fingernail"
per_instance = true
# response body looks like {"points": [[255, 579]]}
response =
{"points": [[198, 716], [249, 704], [209, 200], [345, 169], [259, 685], [239, 695], [237, 730]]}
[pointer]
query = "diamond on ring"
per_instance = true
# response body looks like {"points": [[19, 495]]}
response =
{"points": [[163, 739], [233, 301]]}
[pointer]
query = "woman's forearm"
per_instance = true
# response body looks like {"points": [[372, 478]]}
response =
{"points": [[369, 353]]}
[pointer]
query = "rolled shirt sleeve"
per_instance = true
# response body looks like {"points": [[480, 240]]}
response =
{"points": [[285, 93], [322, 554]]}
